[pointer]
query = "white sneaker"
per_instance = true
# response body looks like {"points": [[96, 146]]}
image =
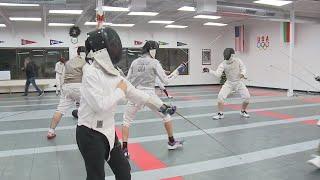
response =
{"points": [[218, 116], [175, 145], [315, 161], [318, 124], [244, 114]]}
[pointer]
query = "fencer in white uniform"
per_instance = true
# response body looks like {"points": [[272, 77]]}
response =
{"points": [[101, 90], [315, 161], [235, 71], [59, 69], [142, 74], [70, 89]]}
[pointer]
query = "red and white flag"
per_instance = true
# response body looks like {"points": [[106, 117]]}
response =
{"points": [[25, 42], [239, 38]]}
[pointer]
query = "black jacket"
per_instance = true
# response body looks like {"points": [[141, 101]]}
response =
{"points": [[31, 70]]}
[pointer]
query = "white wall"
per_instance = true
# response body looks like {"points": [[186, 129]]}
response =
{"points": [[197, 39], [261, 63]]}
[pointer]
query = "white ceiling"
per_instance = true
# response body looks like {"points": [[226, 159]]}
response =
{"points": [[309, 9]]}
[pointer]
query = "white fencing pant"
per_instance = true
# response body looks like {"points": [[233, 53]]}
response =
{"points": [[59, 82], [70, 96], [238, 86], [132, 109]]}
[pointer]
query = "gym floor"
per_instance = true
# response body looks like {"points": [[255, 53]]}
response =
{"points": [[274, 144]]}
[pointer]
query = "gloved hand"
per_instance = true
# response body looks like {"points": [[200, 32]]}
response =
{"points": [[205, 70], [317, 78], [167, 109], [182, 68]]}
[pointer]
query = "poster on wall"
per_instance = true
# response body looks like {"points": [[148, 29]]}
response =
{"points": [[26, 42], [263, 42], [54, 42], [206, 56]]}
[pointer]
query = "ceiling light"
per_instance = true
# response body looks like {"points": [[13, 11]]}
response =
{"points": [[65, 11], [3, 25], [187, 8], [160, 22], [214, 24], [206, 17], [19, 5], [60, 24], [24, 19], [273, 2], [143, 13], [175, 26], [95, 23], [114, 9], [122, 25]]}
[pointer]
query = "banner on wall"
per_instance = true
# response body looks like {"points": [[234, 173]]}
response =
{"points": [[137, 43], [239, 38], [161, 43], [181, 44], [1, 42], [263, 42], [286, 31], [53, 42], [26, 42]]}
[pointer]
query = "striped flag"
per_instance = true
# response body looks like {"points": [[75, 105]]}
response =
{"points": [[239, 38], [286, 31]]}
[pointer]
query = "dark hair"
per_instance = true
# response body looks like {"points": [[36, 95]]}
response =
{"points": [[81, 49]]}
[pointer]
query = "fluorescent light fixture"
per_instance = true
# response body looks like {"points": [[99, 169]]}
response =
{"points": [[175, 26], [38, 55], [3, 25], [273, 2], [214, 24], [24, 19], [206, 17], [160, 22], [114, 9], [37, 50], [96, 23], [60, 24], [18, 5], [122, 25], [23, 53], [66, 11], [143, 13], [187, 8]]}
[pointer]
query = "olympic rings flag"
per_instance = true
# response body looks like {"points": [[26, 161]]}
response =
{"points": [[263, 42]]}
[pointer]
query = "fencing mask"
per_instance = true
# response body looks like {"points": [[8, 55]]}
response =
{"points": [[106, 48], [227, 53], [151, 48]]}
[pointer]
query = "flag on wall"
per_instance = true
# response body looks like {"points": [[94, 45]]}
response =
{"points": [[1, 42], [239, 38], [286, 31], [137, 42], [53, 42], [25, 42], [181, 44], [162, 43]]}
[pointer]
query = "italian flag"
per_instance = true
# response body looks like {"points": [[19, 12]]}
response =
{"points": [[286, 31]]}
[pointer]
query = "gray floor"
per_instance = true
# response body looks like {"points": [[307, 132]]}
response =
{"points": [[273, 144]]}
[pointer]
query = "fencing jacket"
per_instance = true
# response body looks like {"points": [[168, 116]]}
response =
{"points": [[233, 68]]}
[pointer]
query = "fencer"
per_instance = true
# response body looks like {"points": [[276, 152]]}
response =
{"points": [[70, 94], [101, 89], [142, 74], [315, 161], [59, 69], [235, 71]]}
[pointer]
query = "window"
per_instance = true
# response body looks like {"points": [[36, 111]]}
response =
{"points": [[45, 59], [170, 58]]}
